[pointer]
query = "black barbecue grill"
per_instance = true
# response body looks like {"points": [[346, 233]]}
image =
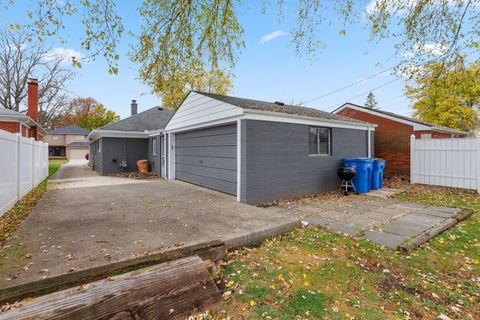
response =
{"points": [[347, 174]]}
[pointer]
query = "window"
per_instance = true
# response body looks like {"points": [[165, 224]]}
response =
{"points": [[79, 138], [426, 136], [99, 145], [55, 137], [154, 146], [318, 141]]}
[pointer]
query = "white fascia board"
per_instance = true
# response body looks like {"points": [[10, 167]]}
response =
{"points": [[22, 119], [447, 130], [155, 133], [97, 134], [206, 124], [416, 126], [260, 115]]}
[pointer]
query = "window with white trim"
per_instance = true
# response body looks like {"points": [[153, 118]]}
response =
{"points": [[99, 145], [154, 146], [319, 142]]}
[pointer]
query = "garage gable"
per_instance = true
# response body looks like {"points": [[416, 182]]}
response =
{"points": [[198, 110]]}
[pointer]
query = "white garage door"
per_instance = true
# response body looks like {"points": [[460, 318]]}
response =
{"points": [[77, 154]]}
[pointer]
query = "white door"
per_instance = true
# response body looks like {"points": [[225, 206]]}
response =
{"points": [[74, 154]]}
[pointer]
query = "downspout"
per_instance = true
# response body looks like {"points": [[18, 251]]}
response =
{"points": [[369, 143]]}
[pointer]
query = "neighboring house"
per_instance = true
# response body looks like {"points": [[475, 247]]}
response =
{"points": [[69, 142], [260, 151], [128, 140], [392, 135], [24, 123]]}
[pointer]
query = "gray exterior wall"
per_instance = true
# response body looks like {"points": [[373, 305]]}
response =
{"points": [[208, 157], [155, 160], [276, 163], [130, 149]]}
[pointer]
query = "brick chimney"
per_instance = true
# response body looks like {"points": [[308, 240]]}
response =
{"points": [[32, 111], [134, 107]]}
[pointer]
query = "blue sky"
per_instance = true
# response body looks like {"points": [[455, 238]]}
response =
{"points": [[267, 70]]}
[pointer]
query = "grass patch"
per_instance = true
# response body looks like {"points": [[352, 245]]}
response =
{"points": [[14, 217], [54, 165], [314, 274]]}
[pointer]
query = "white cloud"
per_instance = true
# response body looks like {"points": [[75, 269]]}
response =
{"points": [[435, 49], [271, 36], [66, 54]]}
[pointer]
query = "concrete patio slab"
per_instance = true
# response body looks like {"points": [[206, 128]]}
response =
{"points": [[385, 221], [385, 239], [319, 221], [434, 213], [402, 228], [345, 228], [422, 220]]}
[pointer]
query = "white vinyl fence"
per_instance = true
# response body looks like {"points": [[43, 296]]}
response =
{"points": [[23, 165], [446, 162]]}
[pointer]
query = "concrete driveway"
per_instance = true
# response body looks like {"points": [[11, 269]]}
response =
{"points": [[85, 220]]}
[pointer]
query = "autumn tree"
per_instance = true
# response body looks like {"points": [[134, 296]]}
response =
{"points": [[77, 110], [21, 57], [178, 34], [196, 78], [371, 102], [99, 116], [87, 113], [447, 94]]}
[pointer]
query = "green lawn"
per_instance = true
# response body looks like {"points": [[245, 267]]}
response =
{"points": [[54, 165], [313, 274], [13, 218]]}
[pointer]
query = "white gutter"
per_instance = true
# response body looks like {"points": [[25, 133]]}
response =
{"points": [[448, 130], [96, 134], [155, 132]]}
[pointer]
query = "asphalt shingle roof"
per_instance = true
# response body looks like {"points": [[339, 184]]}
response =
{"points": [[71, 129], [273, 107], [152, 119], [77, 144], [8, 112]]}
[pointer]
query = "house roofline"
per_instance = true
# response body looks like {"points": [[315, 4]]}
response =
{"points": [[306, 119], [97, 134], [25, 120], [417, 125]]}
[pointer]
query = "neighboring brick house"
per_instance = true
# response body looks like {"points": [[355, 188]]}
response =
{"points": [[392, 136], [69, 142], [24, 123]]}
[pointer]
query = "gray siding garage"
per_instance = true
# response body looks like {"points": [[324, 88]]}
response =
{"points": [[284, 151], [276, 163], [208, 157]]}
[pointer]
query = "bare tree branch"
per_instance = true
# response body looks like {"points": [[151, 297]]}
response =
{"points": [[21, 58]]}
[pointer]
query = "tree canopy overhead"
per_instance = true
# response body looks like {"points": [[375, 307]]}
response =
{"points": [[177, 36]]}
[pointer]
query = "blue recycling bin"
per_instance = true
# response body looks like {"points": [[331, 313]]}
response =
{"points": [[377, 173], [363, 166]]}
